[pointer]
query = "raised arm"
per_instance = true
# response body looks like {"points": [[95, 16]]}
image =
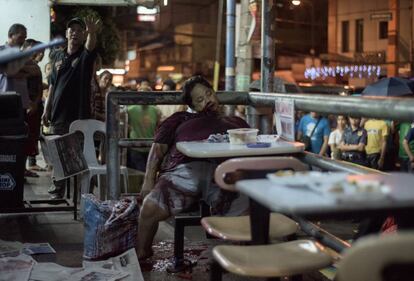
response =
{"points": [[92, 27]]}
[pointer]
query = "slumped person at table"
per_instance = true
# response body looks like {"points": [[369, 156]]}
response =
{"points": [[173, 182], [354, 142]]}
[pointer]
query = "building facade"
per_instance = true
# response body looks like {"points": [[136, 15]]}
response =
{"points": [[375, 32], [183, 42]]}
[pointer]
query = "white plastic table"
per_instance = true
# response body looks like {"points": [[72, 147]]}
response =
{"points": [[203, 149], [268, 196], [307, 202]]}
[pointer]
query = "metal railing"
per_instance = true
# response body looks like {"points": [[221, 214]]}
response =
{"points": [[401, 109]]}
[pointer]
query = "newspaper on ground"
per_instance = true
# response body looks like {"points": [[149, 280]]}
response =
{"points": [[48, 271], [15, 248], [126, 262], [97, 274], [10, 249], [37, 248], [16, 268]]}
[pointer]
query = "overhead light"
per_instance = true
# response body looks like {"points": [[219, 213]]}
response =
{"points": [[141, 10], [296, 2], [113, 71], [131, 54], [165, 2], [166, 68]]}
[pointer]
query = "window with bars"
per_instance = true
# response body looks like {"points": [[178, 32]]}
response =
{"points": [[345, 36], [359, 35], [383, 30]]}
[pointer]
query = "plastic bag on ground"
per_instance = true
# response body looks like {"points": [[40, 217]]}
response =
{"points": [[110, 226]]}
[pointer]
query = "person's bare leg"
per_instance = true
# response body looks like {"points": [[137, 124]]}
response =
{"points": [[151, 214]]}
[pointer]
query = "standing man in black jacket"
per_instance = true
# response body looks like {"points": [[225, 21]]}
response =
{"points": [[70, 83]]}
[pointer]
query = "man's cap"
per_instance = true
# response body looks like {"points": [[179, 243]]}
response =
{"points": [[76, 21]]}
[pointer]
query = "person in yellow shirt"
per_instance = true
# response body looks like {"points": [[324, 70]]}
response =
{"points": [[375, 149]]}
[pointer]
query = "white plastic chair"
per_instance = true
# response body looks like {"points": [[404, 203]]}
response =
{"points": [[88, 128]]}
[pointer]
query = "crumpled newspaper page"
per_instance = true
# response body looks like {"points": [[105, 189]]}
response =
{"points": [[10, 249], [48, 271], [16, 268], [97, 274], [125, 262]]}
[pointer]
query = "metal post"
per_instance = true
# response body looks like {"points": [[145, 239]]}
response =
{"points": [[218, 45], [244, 50], [230, 60], [268, 62], [230, 47], [244, 58], [268, 49], [327, 164], [112, 150]]}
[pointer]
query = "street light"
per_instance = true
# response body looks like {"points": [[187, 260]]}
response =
{"points": [[297, 3]]}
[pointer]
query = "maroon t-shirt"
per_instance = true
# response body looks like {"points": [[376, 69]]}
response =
{"points": [[184, 126]]}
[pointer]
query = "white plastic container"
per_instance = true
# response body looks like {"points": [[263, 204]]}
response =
{"points": [[242, 135]]}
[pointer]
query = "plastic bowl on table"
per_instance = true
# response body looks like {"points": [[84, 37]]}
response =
{"points": [[242, 135]]}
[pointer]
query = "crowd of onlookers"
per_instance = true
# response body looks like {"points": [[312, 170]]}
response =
{"points": [[379, 144], [27, 81]]}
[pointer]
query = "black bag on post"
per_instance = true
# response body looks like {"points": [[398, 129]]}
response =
{"points": [[307, 140]]}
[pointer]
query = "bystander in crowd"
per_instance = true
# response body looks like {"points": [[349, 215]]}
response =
{"points": [[170, 109], [98, 97], [317, 129], [34, 113], [354, 142], [336, 137], [408, 146], [18, 82], [70, 83], [403, 159], [142, 122], [377, 134]]}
